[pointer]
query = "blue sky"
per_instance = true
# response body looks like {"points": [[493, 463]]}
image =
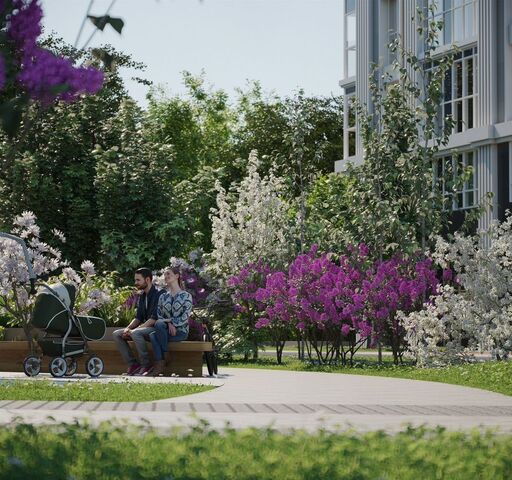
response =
{"points": [[285, 44]]}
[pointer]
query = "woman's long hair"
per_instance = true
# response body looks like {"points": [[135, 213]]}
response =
{"points": [[177, 271]]}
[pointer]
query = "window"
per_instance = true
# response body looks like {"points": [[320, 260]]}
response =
{"points": [[460, 91], [350, 38], [459, 20], [389, 30], [456, 176], [349, 127]]}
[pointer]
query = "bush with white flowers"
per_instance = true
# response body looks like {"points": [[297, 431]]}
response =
{"points": [[255, 226], [15, 300], [476, 312]]}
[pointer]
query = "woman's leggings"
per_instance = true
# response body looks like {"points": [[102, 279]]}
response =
{"points": [[160, 338]]}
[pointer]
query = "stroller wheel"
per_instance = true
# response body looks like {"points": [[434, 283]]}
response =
{"points": [[32, 366], [72, 366], [94, 366], [58, 367]]}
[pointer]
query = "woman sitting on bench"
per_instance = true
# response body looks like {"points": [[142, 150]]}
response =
{"points": [[174, 308]]}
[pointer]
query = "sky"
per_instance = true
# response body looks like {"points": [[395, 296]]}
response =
{"points": [[284, 44]]}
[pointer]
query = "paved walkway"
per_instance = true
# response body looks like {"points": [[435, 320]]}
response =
{"points": [[285, 400]]}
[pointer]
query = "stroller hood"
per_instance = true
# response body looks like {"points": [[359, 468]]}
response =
{"points": [[52, 307], [53, 312]]}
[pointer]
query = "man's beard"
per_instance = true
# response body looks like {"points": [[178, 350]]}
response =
{"points": [[143, 287]]}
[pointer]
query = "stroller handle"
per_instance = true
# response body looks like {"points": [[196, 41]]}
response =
{"points": [[31, 273]]}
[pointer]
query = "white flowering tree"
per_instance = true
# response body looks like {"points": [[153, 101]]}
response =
{"points": [[15, 299], [476, 313], [254, 226]]}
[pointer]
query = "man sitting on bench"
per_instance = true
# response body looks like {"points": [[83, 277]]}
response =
{"points": [[141, 326]]}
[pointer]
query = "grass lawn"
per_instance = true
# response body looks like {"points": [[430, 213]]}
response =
{"points": [[493, 376], [111, 452], [98, 392]]}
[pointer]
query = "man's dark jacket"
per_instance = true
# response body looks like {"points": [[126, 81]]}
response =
{"points": [[147, 305]]}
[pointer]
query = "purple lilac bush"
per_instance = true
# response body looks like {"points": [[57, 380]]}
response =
{"points": [[398, 284], [42, 75], [248, 308], [336, 303]]}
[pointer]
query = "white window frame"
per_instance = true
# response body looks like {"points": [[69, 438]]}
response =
{"points": [[469, 187], [444, 12], [388, 29], [349, 47], [349, 130], [448, 107]]}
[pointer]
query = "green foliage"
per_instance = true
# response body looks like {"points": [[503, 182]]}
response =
{"points": [[327, 212], [85, 168], [134, 195], [107, 452], [392, 205], [213, 139], [50, 167], [97, 392]]}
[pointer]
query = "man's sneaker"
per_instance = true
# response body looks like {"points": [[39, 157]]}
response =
{"points": [[133, 369], [145, 371]]}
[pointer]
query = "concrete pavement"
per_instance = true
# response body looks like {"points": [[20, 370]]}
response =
{"points": [[287, 400]]}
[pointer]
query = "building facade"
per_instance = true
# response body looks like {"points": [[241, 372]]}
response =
{"points": [[477, 91]]}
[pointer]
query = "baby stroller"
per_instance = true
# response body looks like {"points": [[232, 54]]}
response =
{"points": [[65, 334]]}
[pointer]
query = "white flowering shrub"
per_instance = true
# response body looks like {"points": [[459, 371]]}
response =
{"points": [[255, 226], [15, 300], [476, 313]]}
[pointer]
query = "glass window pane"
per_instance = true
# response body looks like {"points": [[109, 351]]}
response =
{"points": [[470, 199], [351, 63], [471, 114], [448, 85], [458, 24], [351, 144], [457, 3], [458, 80], [448, 110], [458, 117], [447, 27], [469, 76], [351, 113], [460, 164], [469, 21], [350, 6], [470, 182], [351, 30], [459, 200]]}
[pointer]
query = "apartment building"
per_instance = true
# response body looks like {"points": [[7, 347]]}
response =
{"points": [[477, 91]]}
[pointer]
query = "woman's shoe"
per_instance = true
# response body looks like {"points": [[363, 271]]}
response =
{"points": [[158, 368]]}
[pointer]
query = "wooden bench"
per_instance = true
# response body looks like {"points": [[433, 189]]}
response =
{"points": [[184, 359]]}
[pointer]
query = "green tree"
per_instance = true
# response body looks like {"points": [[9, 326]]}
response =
{"points": [[50, 169], [134, 191], [392, 204]]}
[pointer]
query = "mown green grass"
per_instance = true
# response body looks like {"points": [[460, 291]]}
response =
{"points": [[493, 376], [98, 392], [120, 452]]}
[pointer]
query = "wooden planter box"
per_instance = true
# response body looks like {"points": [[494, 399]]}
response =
{"points": [[184, 359]]}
